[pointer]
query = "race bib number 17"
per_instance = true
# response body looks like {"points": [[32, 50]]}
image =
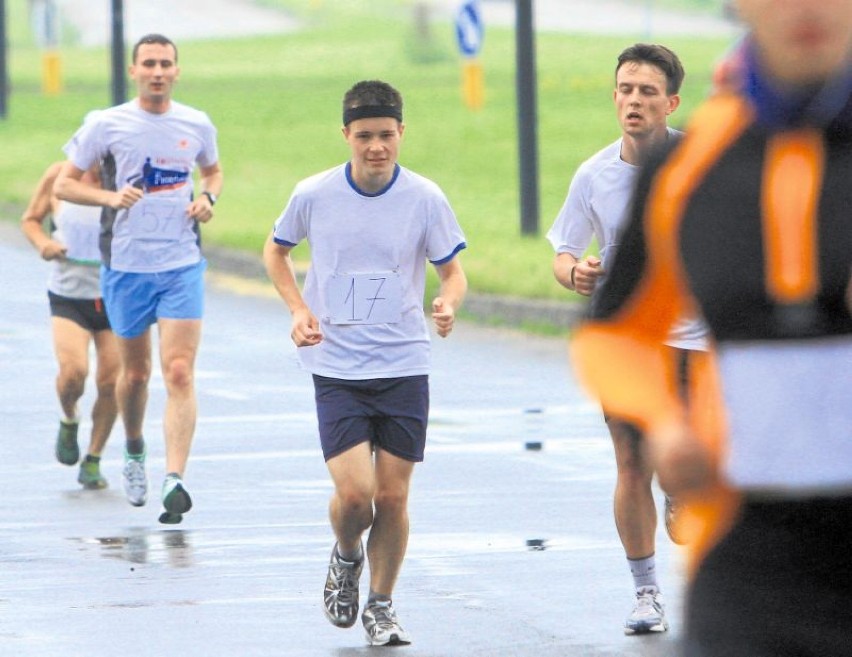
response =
{"points": [[365, 298]]}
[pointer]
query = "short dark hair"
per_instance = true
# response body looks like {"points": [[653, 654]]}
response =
{"points": [[655, 55], [153, 38], [372, 92]]}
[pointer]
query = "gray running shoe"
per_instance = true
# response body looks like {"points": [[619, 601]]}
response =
{"points": [[649, 614], [135, 479], [341, 590], [382, 625], [67, 450]]}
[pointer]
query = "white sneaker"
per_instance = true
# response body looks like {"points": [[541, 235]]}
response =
{"points": [[649, 614], [135, 479], [382, 625]]}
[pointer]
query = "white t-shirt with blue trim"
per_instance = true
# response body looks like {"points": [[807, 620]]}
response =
{"points": [[367, 276]]}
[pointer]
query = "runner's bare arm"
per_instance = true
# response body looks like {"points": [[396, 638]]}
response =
{"points": [[279, 267], [40, 206], [69, 187], [201, 208], [450, 296]]}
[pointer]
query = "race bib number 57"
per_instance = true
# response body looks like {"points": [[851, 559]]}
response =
{"points": [[365, 298]]}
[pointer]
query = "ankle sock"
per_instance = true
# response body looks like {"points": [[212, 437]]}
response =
{"points": [[135, 446], [351, 558], [644, 572], [381, 598]]}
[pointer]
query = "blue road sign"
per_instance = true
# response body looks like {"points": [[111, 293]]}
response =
{"points": [[469, 28]]}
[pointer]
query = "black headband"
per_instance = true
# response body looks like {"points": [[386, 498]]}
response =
{"points": [[371, 112]]}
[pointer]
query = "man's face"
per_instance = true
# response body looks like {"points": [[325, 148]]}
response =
{"points": [[374, 144], [641, 100], [154, 71], [800, 41]]}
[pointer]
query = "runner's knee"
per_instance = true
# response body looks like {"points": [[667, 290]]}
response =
{"points": [[178, 373], [391, 501]]}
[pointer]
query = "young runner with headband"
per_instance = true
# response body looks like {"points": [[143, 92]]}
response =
{"points": [[360, 330]]}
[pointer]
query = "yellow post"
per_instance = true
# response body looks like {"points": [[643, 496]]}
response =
{"points": [[51, 66], [473, 84]]}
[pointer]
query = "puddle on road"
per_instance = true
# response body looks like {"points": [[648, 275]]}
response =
{"points": [[141, 546]]}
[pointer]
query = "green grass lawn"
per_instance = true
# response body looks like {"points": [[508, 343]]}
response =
{"points": [[276, 103]]}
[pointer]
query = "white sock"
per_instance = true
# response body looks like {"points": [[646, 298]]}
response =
{"points": [[644, 573]]}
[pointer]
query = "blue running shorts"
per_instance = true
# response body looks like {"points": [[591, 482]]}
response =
{"points": [[390, 413], [134, 301]]}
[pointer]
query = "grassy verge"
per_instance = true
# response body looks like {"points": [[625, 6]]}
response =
{"points": [[276, 102]]}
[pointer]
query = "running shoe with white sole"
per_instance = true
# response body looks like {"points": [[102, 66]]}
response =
{"points": [[649, 614], [382, 625], [135, 479], [340, 598]]}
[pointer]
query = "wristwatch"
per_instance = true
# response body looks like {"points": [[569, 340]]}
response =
{"points": [[210, 197]]}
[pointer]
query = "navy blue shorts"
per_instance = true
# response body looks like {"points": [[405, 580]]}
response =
{"points": [[90, 314], [390, 413]]}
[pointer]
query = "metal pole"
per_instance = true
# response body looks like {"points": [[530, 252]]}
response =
{"points": [[527, 116], [649, 19], [119, 81], [4, 77]]}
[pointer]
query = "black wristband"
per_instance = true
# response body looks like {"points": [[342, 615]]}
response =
{"points": [[573, 269], [210, 197]]}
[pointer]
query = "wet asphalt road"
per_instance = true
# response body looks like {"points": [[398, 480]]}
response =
{"points": [[82, 573]]}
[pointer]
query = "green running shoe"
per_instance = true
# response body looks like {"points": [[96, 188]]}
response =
{"points": [[176, 500], [67, 451], [90, 476]]}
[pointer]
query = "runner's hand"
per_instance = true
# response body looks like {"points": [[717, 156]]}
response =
{"points": [[444, 317], [126, 197], [586, 274], [53, 250], [305, 331], [200, 209]]}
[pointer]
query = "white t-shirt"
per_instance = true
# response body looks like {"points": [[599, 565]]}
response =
{"points": [[598, 206], [368, 269], [158, 153], [77, 276]]}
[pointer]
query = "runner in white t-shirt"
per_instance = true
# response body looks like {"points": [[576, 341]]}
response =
{"points": [[78, 317], [648, 78], [153, 269], [360, 328]]}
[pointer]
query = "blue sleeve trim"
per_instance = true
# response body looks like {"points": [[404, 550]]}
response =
{"points": [[462, 245], [281, 242]]}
